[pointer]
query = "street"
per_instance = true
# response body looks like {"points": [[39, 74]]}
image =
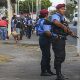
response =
{"points": [[71, 40], [22, 61]]}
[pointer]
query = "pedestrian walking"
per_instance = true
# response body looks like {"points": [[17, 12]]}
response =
{"points": [[29, 27], [13, 23]]}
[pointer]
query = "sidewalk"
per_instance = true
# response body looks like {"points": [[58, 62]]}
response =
{"points": [[25, 41]]}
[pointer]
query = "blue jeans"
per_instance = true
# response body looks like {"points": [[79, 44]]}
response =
{"points": [[59, 53], [3, 33]]}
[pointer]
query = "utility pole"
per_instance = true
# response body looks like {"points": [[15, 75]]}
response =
{"points": [[29, 6], [32, 9], [78, 29], [9, 8], [37, 7], [18, 6]]}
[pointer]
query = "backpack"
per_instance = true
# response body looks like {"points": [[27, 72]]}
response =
{"points": [[39, 27]]}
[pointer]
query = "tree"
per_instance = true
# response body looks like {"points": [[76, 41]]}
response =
{"points": [[23, 6], [70, 10], [3, 3], [26, 6], [13, 1], [45, 4]]}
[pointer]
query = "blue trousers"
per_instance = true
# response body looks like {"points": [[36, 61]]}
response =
{"points": [[59, 52], [46, 55]]}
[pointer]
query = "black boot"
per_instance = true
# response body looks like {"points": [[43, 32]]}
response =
{"points": [[50, 72], [45, 74], [60, 77]]}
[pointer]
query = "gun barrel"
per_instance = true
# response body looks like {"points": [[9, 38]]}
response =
{"points": [[75, 36]]}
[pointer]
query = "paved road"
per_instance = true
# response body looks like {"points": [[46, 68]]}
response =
{"points": [[71, 40], [24, 63]]}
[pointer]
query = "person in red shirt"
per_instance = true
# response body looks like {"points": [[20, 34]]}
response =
{"points": [[3, 28]]}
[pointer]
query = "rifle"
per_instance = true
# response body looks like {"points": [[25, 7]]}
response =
{"points": [[66, 24]]}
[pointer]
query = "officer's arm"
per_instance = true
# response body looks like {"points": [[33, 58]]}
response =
{"points": [[66, 29]]}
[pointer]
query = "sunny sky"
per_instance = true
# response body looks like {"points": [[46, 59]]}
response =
{"points": [[55, 2]]}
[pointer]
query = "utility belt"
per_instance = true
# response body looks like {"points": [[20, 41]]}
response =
{"points": [[58, 36], [42, 34], [61, 37], [54, 39]]}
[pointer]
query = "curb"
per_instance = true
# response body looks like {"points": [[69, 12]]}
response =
{"points": [[28, 43]]}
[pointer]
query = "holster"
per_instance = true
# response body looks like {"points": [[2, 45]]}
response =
{"points": [[56, 38]]}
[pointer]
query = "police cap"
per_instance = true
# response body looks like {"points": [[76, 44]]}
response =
{"points": [[60, 6], [44, 11]]}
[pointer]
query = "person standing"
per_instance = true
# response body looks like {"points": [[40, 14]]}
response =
{"points": [[58, 45], [45, 43], [3, 28]]}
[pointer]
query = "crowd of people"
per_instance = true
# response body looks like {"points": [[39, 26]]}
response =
{"points": [[21, 25]]}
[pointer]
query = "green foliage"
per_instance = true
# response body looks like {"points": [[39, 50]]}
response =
{"points": [[70, 10], [45, 4], [3, 3], [23, 6], [26, 6]]}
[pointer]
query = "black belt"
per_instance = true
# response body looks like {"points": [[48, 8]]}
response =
{"points": [[62, 37]]}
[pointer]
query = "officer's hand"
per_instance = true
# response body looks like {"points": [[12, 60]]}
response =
{"points": [[66, 29], [47, 33], [73, 34]]}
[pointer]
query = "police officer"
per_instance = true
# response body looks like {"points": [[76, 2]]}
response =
{"points": [[58, 46], [29, 27], [45, 43]]}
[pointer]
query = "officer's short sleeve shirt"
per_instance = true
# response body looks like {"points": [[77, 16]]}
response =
{"points": [[55, 17], [47, 27]]}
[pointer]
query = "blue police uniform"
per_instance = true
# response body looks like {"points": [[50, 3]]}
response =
{"points": [[59, 45], [29, 27], [45, 43]]}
